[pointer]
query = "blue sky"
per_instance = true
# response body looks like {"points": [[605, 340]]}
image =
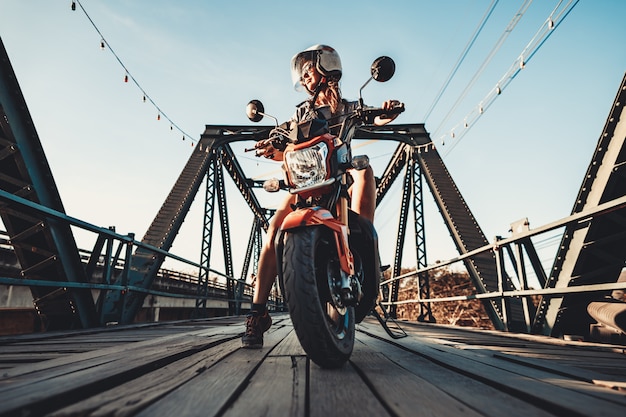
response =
{"points": [[202, 61]]}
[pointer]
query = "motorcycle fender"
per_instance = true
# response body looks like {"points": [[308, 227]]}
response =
{"points": [[317, 216]]}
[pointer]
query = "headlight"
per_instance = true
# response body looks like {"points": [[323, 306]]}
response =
{"points": [[307, 166]]}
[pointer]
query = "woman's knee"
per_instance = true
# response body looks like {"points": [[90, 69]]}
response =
{"points": [[362, 176]]}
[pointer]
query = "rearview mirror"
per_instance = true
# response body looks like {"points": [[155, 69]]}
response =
{"points": [[383, 69], [255, 111]]}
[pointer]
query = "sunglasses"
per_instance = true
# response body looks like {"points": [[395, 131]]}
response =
{"points": [[307, 70]]}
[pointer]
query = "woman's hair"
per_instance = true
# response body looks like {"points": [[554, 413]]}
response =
{"points": [[330, 95]]}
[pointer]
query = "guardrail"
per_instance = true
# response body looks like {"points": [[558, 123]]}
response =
{"points": [[113, 263], [521, 272]]}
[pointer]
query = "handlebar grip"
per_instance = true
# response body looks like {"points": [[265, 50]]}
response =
{"points": [[396, 110]]}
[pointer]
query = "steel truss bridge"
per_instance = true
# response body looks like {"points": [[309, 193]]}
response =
{"points": [[586, 268]]}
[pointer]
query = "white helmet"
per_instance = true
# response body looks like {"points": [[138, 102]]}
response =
{"points": [[325, 59]]}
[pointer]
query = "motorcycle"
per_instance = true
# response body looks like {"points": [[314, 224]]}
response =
{"points": [[328, 262]]}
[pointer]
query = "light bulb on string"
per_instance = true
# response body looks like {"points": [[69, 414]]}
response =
{"points": [[104, 45]]}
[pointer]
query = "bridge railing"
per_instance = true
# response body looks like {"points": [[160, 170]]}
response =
{"points": [[521, 271], [111, 264]]}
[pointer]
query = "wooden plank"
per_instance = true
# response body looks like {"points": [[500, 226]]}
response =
{"points": [[132, 396], [570, 369], [211, 392], [289, 346], [140, 328], [469, 333], [47, 349], [560, 394], [404, 392], [109, 354], [341, 392], [490, 401], [76, 381], [569, 377], [277, 388]]}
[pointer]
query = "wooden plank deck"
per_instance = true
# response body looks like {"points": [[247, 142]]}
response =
{"points": [[197, 368]]}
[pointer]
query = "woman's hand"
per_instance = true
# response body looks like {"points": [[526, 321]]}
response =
{"points": [[266, 149], [388, 105]]}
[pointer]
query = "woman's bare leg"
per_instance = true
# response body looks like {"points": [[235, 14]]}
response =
{"points": [[267, 261], [363, 192]]}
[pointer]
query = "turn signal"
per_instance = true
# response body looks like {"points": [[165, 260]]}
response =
{"points": [[272, 185], [360, 162]]}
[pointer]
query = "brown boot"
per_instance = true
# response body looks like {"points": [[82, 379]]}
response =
{"points": [[256, 325]]}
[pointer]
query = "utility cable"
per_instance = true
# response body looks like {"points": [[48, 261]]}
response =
{"points": [[461, 58], [547, 28], [507, 31]]}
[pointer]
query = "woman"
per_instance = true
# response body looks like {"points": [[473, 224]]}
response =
{"points": [[318, 71]]}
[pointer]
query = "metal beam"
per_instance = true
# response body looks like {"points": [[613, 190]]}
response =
{"points": [[598, 244], [420, 239], [225, 229], [207, 233], [402, 220], [50, 252]]}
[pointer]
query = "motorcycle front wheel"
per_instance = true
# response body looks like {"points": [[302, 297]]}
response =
{"points": [[310, 270]]}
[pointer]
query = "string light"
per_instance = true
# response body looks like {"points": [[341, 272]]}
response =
{"points": [[128, 76]]}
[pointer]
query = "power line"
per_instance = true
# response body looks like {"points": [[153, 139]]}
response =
{"points": [[461, 58], [547, 28], [128, 76], [507, 31]]}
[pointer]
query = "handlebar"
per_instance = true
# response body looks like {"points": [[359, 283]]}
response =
{"points": [[280, 136], [368, 114]]}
